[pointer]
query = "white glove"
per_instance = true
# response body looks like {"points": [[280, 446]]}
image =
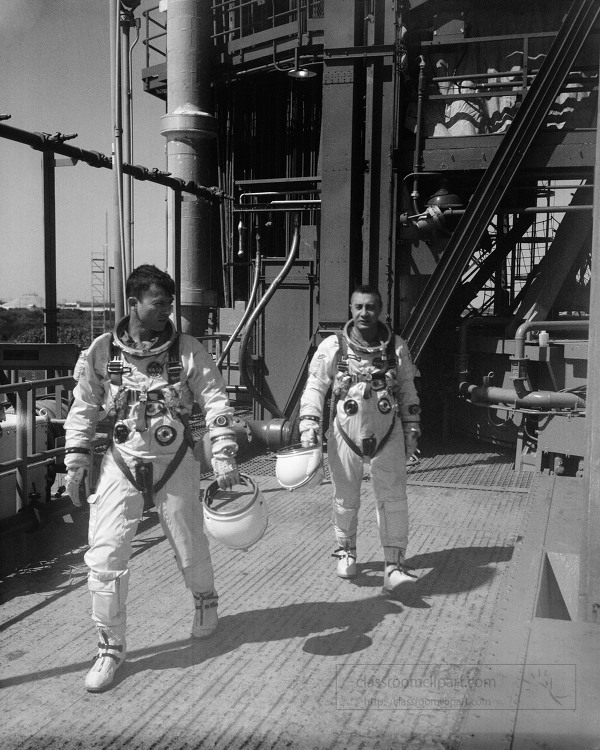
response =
{"points": [[412, 433], [75, 478], [310, 431], [226, 471]]}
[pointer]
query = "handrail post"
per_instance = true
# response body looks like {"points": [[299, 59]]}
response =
{"points": [[31, 423], [58, 393], [50, 308], [21, 450]]}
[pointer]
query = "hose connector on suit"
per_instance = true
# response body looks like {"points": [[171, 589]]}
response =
{"points": [[411, 420], [223, 444]]}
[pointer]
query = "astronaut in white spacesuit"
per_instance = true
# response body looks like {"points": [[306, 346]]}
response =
{"points": [[144, 377], [375, 418]]}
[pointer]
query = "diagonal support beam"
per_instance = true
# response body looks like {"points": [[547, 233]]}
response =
{"points": [[488, 267], [484, 203]]}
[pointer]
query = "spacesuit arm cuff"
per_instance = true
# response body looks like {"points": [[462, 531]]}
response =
{"points": [[410, 413], [222, 437], [77, 457]]}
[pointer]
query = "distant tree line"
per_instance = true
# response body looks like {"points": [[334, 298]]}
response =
{"points": [[27, 326]]}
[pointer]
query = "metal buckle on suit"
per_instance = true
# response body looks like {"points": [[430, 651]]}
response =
{"points": [[120, 432], [155, 408], [378, 381], [369, 446]]}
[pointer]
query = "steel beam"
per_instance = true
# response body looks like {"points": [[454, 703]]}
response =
{"points": [[340, 168]]}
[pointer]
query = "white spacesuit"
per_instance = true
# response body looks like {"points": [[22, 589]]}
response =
{"points": [[375, 418], [148, 395]]}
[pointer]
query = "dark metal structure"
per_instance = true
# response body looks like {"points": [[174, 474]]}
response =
{"points": [[442, 150], [439, 150]]}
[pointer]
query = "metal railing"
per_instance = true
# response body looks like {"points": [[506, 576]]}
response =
{"points": [[233, 20], [513, 83], [215, 344], [236, 19], [155, 40], [56, 391], [27, 452]]}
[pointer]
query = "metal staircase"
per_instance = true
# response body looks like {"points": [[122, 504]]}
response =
{"points": [[486, 198]]}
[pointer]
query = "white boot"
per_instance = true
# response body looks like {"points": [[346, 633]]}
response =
{"points": [[112, 650], [206, 618], [346, 565], [397, 574]]}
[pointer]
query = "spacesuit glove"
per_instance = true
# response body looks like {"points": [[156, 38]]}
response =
{"points": [[310, 432], [75, 478], [226, 471], [412, 434]]}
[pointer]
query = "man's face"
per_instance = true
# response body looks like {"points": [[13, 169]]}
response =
{"points": [[153, 308], [365, 310]]}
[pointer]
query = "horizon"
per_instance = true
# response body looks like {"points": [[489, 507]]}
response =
{"points": [[63, 302]]}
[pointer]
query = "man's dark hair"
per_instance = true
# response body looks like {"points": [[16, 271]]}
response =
{"points": [[141, 279], [368, 289]]}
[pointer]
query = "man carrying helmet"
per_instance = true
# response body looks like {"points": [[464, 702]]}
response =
{"points": [[145, 378], [375, 418]]}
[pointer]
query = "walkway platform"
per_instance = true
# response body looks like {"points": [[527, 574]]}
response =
{"points": [[303, 659]]}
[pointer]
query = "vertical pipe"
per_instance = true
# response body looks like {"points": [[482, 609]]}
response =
{"points": [[382, 273], [50, 313], [370, 145], [422, 85], [115, 67], [397, 63], [124, 25], [589, 600], [189, 127], [174, 248]]}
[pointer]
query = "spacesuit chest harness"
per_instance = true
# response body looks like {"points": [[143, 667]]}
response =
{"points": [[382, 380], [149, 405]]}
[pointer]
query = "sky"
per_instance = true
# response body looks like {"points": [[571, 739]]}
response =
{"points": [[55, 77]]}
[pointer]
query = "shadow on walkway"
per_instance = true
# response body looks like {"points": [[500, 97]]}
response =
{"points": [[351, 620]]}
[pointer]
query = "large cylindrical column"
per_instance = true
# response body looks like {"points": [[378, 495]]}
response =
{"points": [[190, 129]]}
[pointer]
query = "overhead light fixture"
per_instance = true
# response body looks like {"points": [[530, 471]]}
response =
{"points": [[301, 74]]}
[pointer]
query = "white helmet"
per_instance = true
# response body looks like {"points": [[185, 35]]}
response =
{"points": [[238, 517], [297, 467]]}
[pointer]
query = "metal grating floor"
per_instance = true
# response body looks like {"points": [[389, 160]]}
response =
{"points": [[467, 465], [462, 463], [470, 466]]}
